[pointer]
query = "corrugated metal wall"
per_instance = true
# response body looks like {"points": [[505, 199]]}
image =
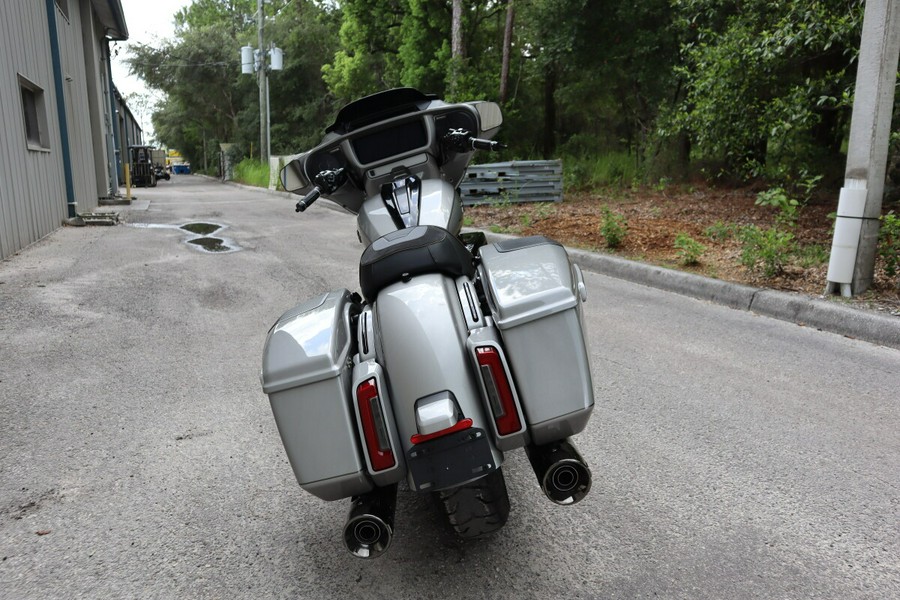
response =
{"points": [[78, 115], [33, 201]]}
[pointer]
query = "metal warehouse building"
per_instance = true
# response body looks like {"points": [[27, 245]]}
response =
{"points": [[60, 117]]}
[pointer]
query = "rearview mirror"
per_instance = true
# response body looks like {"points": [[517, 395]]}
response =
{"points": [[292, 176], [490, 115]]}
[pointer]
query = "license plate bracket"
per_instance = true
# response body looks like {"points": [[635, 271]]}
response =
{"points": [[450, 460]]}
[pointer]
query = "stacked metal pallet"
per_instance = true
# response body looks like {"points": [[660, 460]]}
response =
{"points": [[517, 181]]}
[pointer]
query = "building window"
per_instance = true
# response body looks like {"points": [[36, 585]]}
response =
{"points": [[34, 114]]}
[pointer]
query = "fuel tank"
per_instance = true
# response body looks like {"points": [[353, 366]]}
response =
{"points": [[408, 202]]}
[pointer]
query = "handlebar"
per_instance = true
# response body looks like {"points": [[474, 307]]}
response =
{"points": [[308, 199], [489, 145], [459, 140], [326, 182]]}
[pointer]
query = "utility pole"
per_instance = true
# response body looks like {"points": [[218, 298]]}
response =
{"points": [[260, 61], [852, 265], [263, 82]]}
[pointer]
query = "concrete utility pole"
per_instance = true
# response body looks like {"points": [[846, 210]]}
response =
{"points": [[260, 61], [852, 265], [263, 74]]}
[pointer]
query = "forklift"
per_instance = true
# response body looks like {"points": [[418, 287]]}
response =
{"points": [[143, 169]]}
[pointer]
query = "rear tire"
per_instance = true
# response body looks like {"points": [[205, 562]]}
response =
{"points": [[479, 508]]}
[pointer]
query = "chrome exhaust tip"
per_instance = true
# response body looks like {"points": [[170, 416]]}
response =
{"points": [[561, 472], [370, 523]]}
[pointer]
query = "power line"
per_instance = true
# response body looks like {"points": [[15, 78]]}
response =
{"points": [[206, 64]]}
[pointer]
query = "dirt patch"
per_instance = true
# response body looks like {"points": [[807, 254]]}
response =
{"points": [[709, 216]]}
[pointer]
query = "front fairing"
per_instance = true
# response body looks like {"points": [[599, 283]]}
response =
{"points": [[377, 150]]}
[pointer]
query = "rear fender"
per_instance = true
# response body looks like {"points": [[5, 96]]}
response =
{"points": [[422, 332]]}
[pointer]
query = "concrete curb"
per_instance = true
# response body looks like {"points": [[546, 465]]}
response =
{"points": [[795, 308]]}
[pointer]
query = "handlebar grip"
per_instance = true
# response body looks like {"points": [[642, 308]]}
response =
{"points": [[487, 145], [308, 199]]}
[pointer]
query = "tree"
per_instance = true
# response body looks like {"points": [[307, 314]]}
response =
{"points": [[200, 77], [300, 101], [208, 101], [235, 15], [507, 49], [767, 85], [367, 60], [390, 43], [552, 32], [750, 87]]}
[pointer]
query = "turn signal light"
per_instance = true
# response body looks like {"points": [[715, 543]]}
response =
{"points": [[499, 390], [378, 443]]}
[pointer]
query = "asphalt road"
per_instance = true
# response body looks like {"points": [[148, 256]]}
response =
{"points": [[734, 455]]}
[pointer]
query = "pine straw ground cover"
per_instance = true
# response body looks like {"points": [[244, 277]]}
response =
{"points": [[654, 218]]}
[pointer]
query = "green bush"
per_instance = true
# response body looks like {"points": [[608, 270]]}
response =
{"points": [[689, 249], [720, 231], [889, 244], [788, 208], [765, 250], [613, 228], [252, 172]]}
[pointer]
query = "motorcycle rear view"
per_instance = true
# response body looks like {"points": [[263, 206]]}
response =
{"points": [[454, 352]]}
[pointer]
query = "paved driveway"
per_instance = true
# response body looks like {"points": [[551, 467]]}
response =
{"points": [[734, 456]]}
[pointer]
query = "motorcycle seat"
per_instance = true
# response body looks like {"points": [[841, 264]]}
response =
{"points": [[406, 253]]}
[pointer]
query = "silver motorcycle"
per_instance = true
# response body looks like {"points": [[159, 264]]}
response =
{"points": [[454, 352]]}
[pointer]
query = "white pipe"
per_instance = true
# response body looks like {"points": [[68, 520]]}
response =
{"points": [[847, 227]]}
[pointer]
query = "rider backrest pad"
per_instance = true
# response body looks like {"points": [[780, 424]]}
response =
{"points": [[406, 253]]}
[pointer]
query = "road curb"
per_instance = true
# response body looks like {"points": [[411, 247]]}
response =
{"points": [[801, 309]]}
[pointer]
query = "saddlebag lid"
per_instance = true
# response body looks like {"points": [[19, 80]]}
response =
{"points": [[309, 343], [527, 279]]}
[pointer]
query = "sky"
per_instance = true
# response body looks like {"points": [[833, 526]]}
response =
{"points": [[148, 21]]}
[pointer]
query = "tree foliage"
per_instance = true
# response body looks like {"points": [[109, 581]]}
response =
{"points": [[742, 87], [209, 101], [767, 84]]}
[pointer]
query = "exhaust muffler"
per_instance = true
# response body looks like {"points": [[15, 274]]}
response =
{"points": [[370, 523], [562, 474]]}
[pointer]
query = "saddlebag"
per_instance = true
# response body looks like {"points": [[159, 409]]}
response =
{"points": [[534, 293], [306, 373]]}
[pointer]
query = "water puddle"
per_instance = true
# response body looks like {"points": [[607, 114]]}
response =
{"points": [[199, 236], [201, 228], [211, 244], [203, 241]]}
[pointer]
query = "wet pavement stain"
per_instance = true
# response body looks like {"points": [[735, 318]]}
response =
{"points": [[211, 244], [203, 241], [201, 228], [199, 237]]}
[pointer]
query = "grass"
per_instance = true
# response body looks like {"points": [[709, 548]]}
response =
{"points": [[614, 168], [252, 172], [720, 231], [812, 255]]}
